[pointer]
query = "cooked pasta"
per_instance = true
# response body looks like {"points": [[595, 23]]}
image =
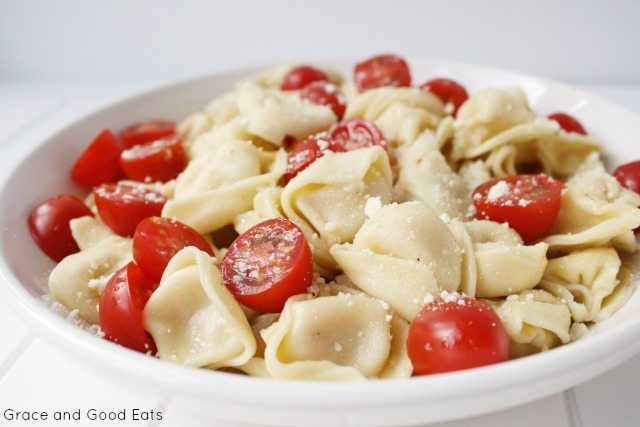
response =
{"points": [[390, 225]]}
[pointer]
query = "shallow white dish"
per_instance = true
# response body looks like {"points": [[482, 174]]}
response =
{"points": [[44, 172]]}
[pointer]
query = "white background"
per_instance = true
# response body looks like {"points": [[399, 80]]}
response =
{"points": [[577, 41], [60, 59]]}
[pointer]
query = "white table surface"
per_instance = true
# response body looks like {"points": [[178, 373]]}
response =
{"points": [[36, 376]]}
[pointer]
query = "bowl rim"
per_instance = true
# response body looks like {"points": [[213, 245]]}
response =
{"points": [[232, 388]]}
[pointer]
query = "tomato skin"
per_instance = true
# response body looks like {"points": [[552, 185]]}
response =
{"points": [[49, 225], [382, 70], [450, 335], [357, 133], [122, 206], [161, 160], [99, 163], [267, 264], [529, 205], [158, 239], [120, 309], [145, 132], [628, 175], [306, 152], [325, 93], [568, 123], [301, 76], [449, 91]]}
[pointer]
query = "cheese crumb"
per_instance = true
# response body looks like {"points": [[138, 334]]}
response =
{"points": [[499, 189], [372, 205]]}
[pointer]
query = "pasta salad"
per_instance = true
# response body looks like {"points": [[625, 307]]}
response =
{"points": [[305, 227]]}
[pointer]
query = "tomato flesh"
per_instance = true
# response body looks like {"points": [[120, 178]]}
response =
{"points": [[357, 133], [449, 91], [528, 203], [157, 240], [121, 306], [49, 225], [99, 163], [568, 123], [301, 76], [145, 132], [325, 93], [306, 152], [382, 70], [267, 264], [161, 160], [123, 206], [451, 334]]}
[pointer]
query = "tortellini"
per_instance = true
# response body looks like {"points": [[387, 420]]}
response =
{"points": [[79, 279], [217, 187], [272, 114], [400, 113], [583, 279], [504, 264], [306, 344], [595, 211], [535, 320], [402, 254], [327, 199], [194, 319], [499, 125], [425, 176]]}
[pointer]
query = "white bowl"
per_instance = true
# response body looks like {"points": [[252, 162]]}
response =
{"points": [[23, 268]]}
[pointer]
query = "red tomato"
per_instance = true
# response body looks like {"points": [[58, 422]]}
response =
{"points": [[357, 133], [301, 76], [382, 70], [161, 160], [453, 334], [99, 163], [628, 175], [449, 91], [122, 206], [306, 152], [144, 132], [568, 123], [325, 93], [49, 225], [157, 240], [528, 203], [120, 309], [267, 264]]}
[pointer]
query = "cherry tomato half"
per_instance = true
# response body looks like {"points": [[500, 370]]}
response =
{"points": [[49, 225], [160, 160], [99, 163], [568, 123], [157, 240], [449, 91], [267, 264], [122, 206], [357, 133], [461, 333], [301, 76], [306, 152], [325, 93], [145, 132], [382, 70], [528, 203], [121, 306]]}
